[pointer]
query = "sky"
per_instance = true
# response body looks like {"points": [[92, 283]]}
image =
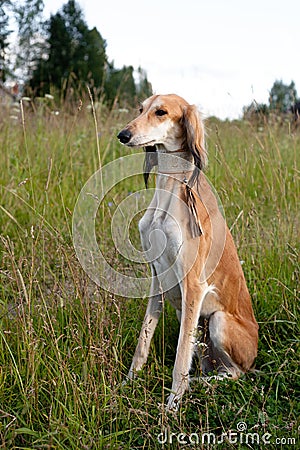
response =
{"points": [[218, 54]]}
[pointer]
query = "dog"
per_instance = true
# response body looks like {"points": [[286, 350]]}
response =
{"points": [[194, 261]]}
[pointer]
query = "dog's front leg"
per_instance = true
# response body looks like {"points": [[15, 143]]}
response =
{"points": [[191, 306], [153, 311]]}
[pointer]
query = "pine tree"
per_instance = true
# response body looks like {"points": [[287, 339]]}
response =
{"points": [[96, 59], [75, 56], [282, 96], [144, 88], [120, 85], [4, 33], [30, 39]]}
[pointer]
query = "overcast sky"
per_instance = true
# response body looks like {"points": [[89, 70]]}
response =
{"points": [[217, 54]]}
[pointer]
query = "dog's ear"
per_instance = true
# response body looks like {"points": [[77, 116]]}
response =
{"points": [[194, 139], [150, 161]]}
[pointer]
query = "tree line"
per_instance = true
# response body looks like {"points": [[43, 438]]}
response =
{"points": [[283, 99], [62, 55]]}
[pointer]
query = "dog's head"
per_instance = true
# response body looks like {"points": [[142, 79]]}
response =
{"points": [[167, 123]]}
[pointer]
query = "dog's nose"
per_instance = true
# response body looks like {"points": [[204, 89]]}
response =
{"points": [[124, 136]]}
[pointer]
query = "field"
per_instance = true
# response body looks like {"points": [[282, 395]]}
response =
{"points": [[66, 344]]}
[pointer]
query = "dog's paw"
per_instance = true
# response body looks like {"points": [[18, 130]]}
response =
{"points": [[210, 379], [173, 404], [132, 375], [125, 382]]}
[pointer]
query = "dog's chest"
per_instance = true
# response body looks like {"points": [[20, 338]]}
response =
{"points": [[163, 231], [162, 238], [163, 242]]}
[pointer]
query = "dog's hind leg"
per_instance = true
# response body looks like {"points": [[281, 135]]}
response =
{"points": [[233, 344]]}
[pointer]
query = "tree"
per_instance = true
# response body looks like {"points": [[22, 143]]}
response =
{"points": [[95, 59], [4, 33], [120, 85], [30, 40], [144, 88], [257, 112], [282, 96], [75, 54], [66, 37]]}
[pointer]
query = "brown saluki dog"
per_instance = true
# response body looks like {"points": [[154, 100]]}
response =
{"points": [[194, 261]]}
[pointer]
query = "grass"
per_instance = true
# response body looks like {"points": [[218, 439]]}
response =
{"points": [[66, 345]]}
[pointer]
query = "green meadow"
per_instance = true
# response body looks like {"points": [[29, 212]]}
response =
{"points": [[66, 344]]}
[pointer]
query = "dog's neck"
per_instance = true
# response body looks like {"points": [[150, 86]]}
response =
{"points": [[177, 166], [175, 162]]}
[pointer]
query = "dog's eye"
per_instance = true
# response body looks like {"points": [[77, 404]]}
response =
{"points": [[160, 112], [141, 110]]}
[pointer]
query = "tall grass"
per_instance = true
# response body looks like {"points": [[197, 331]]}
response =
{"points": [[66, 345]]}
